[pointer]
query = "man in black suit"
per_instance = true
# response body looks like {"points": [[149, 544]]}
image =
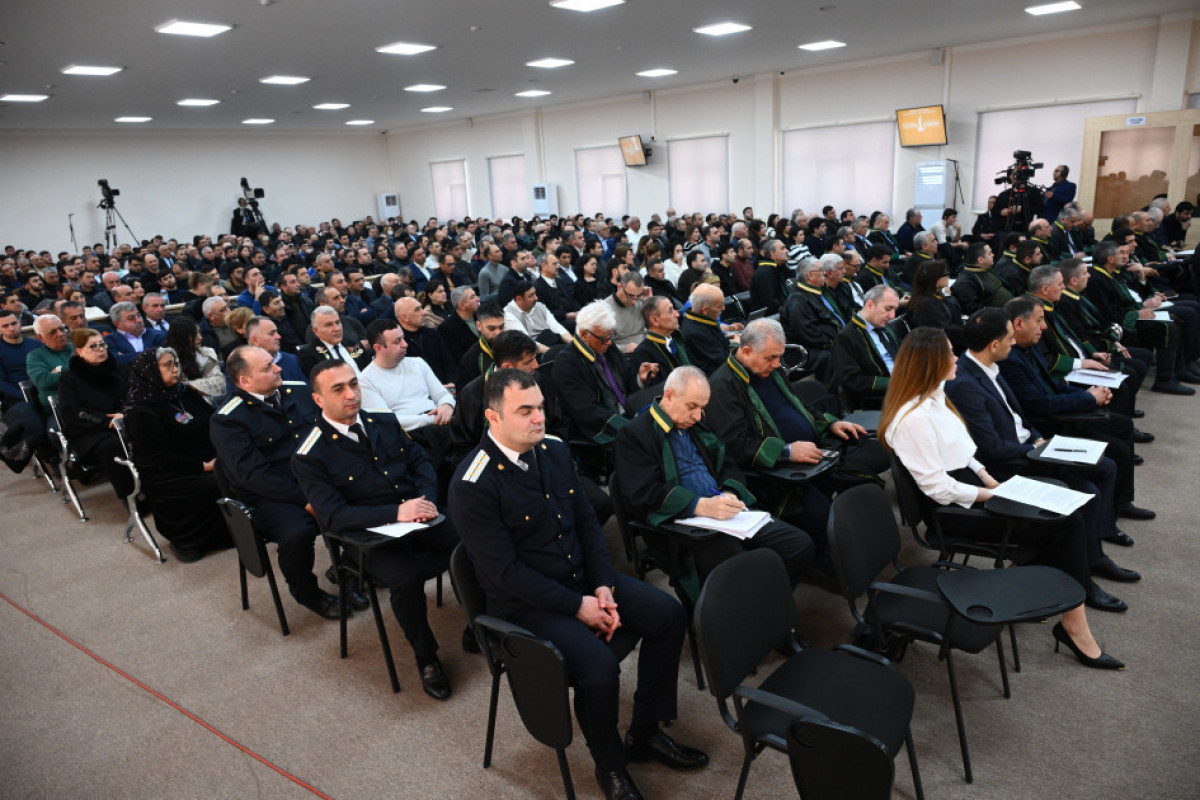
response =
{"points": [[771, 283], [706, 343], [864, 351], [360, 470], [542, 561], [424, 342], [1014, 272], [663, 344], [458, 332], [1004, 437], [555, 292], [329, 343]]}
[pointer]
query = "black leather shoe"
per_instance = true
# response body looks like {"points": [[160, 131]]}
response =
{"points": [[469, 642], [617, 784], [186, 555], [1130, 511], [1141, 437], [357, 600], [326, 605], [1101, 600], [1137, 460], [666, 751], [1137, 413], [1172, 387], [434, 681], [1186, 376], [1120, 537], [1107, 568]]}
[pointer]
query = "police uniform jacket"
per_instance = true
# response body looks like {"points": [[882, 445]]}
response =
{"points": [[807, 320], [255, 441], [468, 424], [353, 486], [312, 354], [739, 418], [531, 534], [649, 474], [654, 349], [861, 371], [706, 344]]}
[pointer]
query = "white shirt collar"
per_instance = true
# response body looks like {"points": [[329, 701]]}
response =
{"points": [[992, 371], [512, 455], [344, 430]]}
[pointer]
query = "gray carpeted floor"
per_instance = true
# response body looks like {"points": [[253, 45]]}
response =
{"points": [[72, 727]]}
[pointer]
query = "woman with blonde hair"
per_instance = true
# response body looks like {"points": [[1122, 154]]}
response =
{"points": [[922, 427]]}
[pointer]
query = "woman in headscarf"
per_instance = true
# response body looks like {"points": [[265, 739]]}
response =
{"points": [[166, 422]]}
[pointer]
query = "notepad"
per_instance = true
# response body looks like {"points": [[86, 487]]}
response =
{"points": [[398, 529], [743, 525], [1047, 496], [1094, 377], [1079, 451], [1162, 316]]}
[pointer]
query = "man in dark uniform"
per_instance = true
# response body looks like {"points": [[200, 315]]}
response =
{"points": [[542, 561], [864, 351], [360, 471], [673, 467], [489, 323], [1014, 272], [595, 383], [707, 345], [769, 286], [255, 434], [811, 317], [877, 269], [663, 344], [514, 350], [763, 423], [977, 285], [329, 344]]}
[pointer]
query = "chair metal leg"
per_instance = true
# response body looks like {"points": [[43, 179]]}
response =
{"points": [[439, 590], [1012, 636], [70, 496], [491, 724], [741, 787], [1003, 666], [912, 765], [283, 626], [41, 472], [566, 773], [958, 718], [696, 657], [135, 521], [344, 608], [383, 637], [242, 578]]}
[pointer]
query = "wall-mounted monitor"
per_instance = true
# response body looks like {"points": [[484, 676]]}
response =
{"points": [[920, 127], [633, 151]]}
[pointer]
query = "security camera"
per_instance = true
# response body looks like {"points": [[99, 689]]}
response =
{"points": [[736, 79]]}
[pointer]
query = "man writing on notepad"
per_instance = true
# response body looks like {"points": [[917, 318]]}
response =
{"points": [[673, 467]]}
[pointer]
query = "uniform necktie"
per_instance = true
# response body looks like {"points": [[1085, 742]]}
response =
{"points": [[358, 430]]}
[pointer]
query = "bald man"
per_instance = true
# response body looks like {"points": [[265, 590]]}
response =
{"points": [[423, 342]]}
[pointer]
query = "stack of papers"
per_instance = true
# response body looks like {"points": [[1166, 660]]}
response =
{"points": [[742, 526], [398, 529], [1094, 377], [1162, 316], [1047, 496], [1079, 451]]}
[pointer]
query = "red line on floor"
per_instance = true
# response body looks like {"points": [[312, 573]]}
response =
{"points": [[166, 700]]}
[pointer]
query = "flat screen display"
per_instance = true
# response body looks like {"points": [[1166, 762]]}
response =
{"points": [[632, 151], [919, 127]]}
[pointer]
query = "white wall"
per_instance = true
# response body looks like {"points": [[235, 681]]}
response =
{"points": [[180, 184]]}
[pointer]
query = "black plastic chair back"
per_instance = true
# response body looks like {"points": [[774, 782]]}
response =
{"points": [[908, 494], [816, 396], [466, 584], [249, 546], [863, 537], [537, 676], [834, 762], [744, 610]]}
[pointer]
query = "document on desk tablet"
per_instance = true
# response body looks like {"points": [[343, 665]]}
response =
{"points": [[1095, 377], [398, 529], [1070, 448], [743, 526], [1058, 499]]}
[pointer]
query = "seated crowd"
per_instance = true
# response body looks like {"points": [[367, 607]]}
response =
{"points": [[487, 377]]}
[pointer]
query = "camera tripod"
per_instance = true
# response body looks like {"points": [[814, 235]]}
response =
{"points": [[1018, 207], [111, 215]]}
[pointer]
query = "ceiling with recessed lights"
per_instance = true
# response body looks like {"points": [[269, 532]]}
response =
{"points": [[483, 52]]}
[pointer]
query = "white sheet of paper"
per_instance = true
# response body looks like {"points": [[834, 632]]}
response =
{"points": [[1184, 252], [398, 529], [1041, 495], [1165, 304], [1070, 448], [1094, 377], [1162, 316], [743, 526]]}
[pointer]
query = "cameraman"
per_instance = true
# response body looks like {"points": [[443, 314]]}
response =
{"points": [[1059, 193], [1020, 203]]}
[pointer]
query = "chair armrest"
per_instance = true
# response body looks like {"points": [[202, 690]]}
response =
{"points": [[686, 532], [866, 655], [907, 591], [500, 627], [779, 703]]}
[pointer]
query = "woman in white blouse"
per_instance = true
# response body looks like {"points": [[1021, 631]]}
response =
{"points": [[926, 433]]}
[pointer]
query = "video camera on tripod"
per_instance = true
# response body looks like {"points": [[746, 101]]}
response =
{"points": [[107, 194], [111, 214], [252, 196], [1020, 171]]}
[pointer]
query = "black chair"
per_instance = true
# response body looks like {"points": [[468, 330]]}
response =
{"points": [[40, 471], [252, 553], [537, 674], [835, 762], [666, 549], [134, 520], [899, 327], [745, 610], [864, 540], [72, 467]]}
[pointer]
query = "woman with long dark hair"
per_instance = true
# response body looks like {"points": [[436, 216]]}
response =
{"points": [[922, 427], [167, 424], [199, 366], [932, 306]]}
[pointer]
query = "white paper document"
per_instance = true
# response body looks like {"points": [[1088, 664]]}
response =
{"points": [[1165, 304], [1095, 377], [1058, 499], [744, 525], [1069, 448], [1184, 252], [398, 529], [1162, 316]]}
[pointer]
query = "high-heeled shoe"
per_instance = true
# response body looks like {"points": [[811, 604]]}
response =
{"points": [[1104, 661]]}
